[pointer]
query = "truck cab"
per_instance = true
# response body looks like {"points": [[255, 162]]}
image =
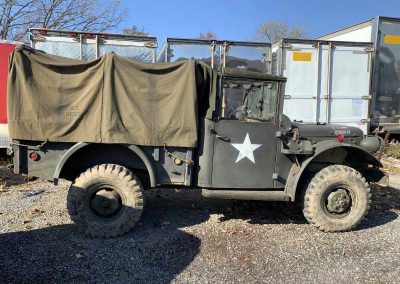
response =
{"points": [[243, 139]]}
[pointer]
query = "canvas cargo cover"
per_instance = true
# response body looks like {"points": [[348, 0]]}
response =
{"points": [[107, 100]]}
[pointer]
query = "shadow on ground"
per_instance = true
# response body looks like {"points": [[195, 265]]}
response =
{"points": [[61, 254], [157, 249], [7, 178], [385, 207]]}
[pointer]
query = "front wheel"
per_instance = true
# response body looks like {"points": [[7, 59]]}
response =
{"points": [[106, 201], [337, 199]]}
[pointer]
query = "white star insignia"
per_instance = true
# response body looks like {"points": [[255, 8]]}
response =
{"points": [[246, 149]]}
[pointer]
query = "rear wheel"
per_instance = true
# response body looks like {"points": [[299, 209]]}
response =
{"points": [[106, 201], [337, 199]]}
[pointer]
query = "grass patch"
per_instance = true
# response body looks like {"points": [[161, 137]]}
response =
{"points": [[393, 150]]}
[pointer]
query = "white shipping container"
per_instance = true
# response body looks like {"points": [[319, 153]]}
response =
{"points": [[327, 82], [384, 32]]}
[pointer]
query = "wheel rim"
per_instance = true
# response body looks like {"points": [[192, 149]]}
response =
{"points": [[338, 202], [106, 202]]}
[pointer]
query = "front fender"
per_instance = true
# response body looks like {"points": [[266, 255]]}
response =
{"points": [[324, 146], [330, 152]]}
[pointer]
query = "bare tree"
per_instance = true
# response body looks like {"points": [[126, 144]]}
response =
{"points": [[17, 16], [209, 35], [273, 31], [134, 30], [14, 16]]}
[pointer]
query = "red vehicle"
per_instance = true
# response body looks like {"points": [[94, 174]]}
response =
{"points": [[6, 47]]}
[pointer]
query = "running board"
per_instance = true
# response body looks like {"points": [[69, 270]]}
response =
{"points": [[245, 194]]}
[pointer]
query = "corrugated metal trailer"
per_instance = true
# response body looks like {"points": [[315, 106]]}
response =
{"points": [[88, 45], [250, 56], [328, 82], [384, 32], [6, 47]]}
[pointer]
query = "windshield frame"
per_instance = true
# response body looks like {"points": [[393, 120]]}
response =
{"points": [[278, 99]]}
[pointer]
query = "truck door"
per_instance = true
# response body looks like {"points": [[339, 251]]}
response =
{"points": [[245, 145]]}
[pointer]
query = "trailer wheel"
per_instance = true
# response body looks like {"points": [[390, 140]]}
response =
{"points": [[106, 201], [337, 199]]}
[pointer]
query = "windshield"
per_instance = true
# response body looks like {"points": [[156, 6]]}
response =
{"points": [[249, 100]]}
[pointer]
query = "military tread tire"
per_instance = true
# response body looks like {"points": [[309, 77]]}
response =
{"points": [[334, 181], [126, 192]]}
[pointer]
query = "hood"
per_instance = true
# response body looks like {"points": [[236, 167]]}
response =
{"points": [[319, 132]]}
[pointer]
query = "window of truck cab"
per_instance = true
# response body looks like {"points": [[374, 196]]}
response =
{"points": [[249, 100]]}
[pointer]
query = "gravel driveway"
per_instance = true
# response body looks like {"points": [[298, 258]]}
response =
{"points": [[184, 238]]}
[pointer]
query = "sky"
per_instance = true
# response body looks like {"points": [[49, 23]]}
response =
{"points": [[239, 19]]}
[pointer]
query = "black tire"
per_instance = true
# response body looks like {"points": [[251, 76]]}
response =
{"points": [[106, 201], [336, 199]]}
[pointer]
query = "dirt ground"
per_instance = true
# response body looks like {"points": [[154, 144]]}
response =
{"points": [[185, 238]]}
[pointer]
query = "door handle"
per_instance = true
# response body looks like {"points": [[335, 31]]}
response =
{"points": [[223, 138]]}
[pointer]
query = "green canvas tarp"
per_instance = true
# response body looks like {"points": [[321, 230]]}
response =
{"points": [[107, 100]]}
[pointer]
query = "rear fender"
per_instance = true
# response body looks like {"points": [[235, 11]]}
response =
{"points": [[135, 149]]}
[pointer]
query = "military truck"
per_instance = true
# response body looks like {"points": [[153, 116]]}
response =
{"points": [[115, 128]]}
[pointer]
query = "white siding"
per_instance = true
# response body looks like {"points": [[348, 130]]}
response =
{"points": [[358, 33]]}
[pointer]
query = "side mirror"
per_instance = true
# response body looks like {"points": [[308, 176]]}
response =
{"points": [[285, 123]]}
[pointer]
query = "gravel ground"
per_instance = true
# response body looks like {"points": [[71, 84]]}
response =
{"points": [[184, 238]]}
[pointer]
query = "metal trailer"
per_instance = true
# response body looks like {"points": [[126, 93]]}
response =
{"points": [[384, 32], [89, 45], [249, 56], [328, 82], [6, 47]]}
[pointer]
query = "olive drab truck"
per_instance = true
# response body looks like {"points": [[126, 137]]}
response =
{"points": [[115, 127]]}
